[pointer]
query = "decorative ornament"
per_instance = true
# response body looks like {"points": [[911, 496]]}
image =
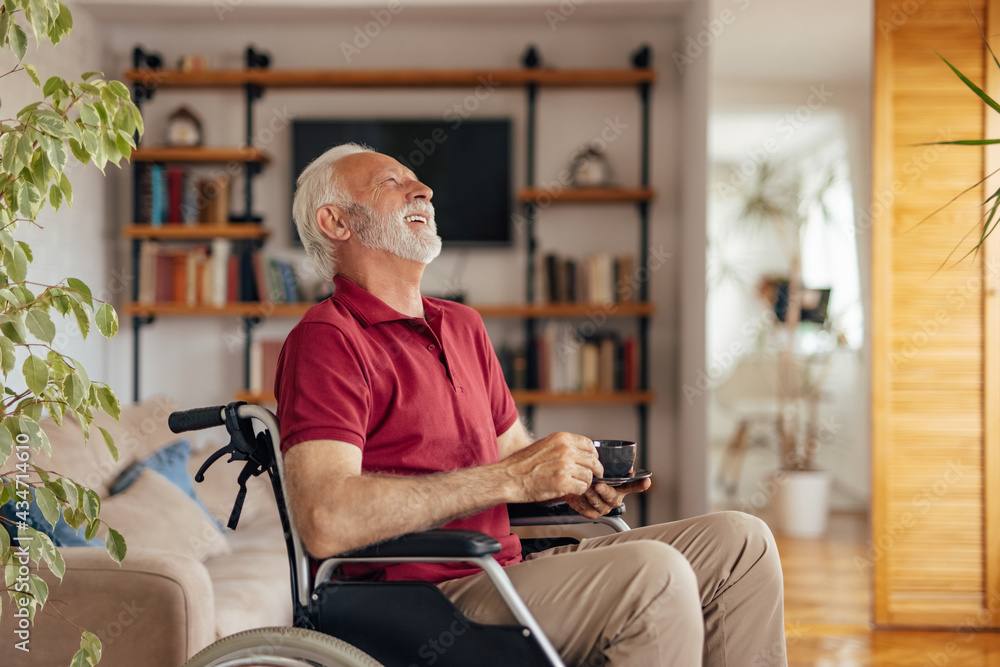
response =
{"points": [[183, 128], [590, 168]]}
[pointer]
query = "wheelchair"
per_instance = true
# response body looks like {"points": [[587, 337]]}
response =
{"points": [[343, 623]]}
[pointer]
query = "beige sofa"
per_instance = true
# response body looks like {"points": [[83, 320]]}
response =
{"points": [[183, 583]]}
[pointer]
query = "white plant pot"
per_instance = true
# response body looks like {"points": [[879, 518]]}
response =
{"points": [[802, 502]]}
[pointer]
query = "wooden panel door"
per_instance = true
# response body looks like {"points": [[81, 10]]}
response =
{"points": [[934, 310]]}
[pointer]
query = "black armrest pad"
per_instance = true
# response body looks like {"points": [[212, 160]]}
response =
{"points": [[431, 544], [540, 511]]}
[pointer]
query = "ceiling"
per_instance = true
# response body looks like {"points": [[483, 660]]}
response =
{"points": [[814, 41]]}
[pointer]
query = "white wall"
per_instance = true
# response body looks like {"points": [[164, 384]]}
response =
{"points": [[72, 242], [193, 360]]}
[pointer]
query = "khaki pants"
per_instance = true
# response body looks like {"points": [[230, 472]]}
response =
{"points": [[706, 590]]}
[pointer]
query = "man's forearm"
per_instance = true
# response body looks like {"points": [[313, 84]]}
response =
{"points": [[371, 508]]}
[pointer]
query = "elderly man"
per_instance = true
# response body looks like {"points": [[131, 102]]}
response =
{"points": [[396, 418]]}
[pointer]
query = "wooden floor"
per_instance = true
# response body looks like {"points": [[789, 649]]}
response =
{"points": [[827, 610]]}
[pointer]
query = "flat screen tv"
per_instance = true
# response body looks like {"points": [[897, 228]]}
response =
{"points": [[468, 167]]}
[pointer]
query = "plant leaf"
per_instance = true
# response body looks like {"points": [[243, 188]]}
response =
{"points": [[92, 645], [82, 292], [8, 355], [47, 502], [109, 402], [6, 449], [33, 73], [968, 82], [40, 324], [106, 320], [74, 391], [18, 40], [115, 545], [36, 374], [110, 442], [51, 555]]}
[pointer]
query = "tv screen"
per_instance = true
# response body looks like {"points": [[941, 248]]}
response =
{"points": [[467, 167]]}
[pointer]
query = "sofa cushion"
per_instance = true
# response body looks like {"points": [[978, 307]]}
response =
{"points": [[256, 571], [171, 462], [152, 512]]}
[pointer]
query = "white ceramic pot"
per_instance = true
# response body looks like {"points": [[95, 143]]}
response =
{"points": [[802, 502]]}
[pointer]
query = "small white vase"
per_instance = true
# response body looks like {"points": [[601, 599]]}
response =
{"points": [[802, 502]]}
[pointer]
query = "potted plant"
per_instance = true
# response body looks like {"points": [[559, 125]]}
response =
{"points": [[780, 198], [91, 121]]}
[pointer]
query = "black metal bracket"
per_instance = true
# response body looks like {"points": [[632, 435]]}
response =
{"points": [[250, 322], [642, 57], [531, 59], [141, 59]]}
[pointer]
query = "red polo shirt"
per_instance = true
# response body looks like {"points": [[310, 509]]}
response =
{"points": [[417, 396]]}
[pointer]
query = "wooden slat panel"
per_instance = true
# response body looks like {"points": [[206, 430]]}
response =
{"points": [[928, 319]]}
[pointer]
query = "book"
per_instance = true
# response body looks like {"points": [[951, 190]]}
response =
{"points": [[220, 269], [158, 197], [213, 200], [175, 175], [143, 194]]}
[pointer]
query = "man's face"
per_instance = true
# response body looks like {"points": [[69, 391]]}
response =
{"points": [[392, 209]]}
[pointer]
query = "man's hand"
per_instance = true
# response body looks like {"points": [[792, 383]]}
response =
{"points": [[601, 498], [558, 465]]}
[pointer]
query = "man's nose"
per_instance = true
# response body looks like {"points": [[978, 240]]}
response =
{"points": [[420, 191]]}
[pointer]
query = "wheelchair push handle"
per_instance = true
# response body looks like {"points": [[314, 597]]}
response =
{"points": [[197, 419]]}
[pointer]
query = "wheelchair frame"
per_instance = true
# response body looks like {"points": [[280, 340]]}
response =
{"points": [[261, 453]]}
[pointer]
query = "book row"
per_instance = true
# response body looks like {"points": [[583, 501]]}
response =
{"points": [[560, 360], [222, 271], [599, 278], [264, 364], [174, 194]]}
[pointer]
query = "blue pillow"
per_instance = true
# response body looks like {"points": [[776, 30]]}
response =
{"points": [[62, 534], [171, 462]]}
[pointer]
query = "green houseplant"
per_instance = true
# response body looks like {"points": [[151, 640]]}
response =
{"points": [[782, 198], [778, 198], [92, 121]]}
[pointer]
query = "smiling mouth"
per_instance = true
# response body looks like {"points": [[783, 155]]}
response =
{"points": [[415, 218]]}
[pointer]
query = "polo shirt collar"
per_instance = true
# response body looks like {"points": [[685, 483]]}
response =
{"points": [[368, 309]]}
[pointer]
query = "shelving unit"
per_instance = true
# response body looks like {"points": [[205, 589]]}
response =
{"points": [[253, 80]]}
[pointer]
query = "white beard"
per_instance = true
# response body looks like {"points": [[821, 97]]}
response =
{"points": [[391, 234]]}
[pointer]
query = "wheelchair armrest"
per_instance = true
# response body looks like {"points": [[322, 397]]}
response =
{"points": [[430, 544], [526, 514]]}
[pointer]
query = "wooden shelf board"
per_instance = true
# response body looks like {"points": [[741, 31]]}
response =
{"points": [[576, 195], [256, 309], [388, 78], [254, 397], [520, 396], [180, 232], [531, 397], [566, 309], [200, 154]]}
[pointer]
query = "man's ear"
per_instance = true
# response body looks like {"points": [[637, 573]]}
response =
{"points": [[333, 223]]}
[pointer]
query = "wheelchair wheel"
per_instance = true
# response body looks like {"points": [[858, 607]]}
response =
{"points": [[281, 647]]}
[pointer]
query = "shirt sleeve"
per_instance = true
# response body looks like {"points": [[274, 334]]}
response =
{"points": [[322, 388], [501, 402]]}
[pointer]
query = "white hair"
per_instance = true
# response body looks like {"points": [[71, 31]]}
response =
{"points": [[319, 185]]}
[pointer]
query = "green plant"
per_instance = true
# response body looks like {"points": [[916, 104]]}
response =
{"points": [[779, 198], [992, 203], [92, 121]]}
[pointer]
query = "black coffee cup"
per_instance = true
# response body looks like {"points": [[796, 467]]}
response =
{"points": [[617, 456]]}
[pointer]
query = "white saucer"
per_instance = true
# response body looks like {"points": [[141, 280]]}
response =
{"points": [[618, 481]]}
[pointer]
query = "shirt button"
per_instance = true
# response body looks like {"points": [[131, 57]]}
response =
{"points": [[431, 346]]}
